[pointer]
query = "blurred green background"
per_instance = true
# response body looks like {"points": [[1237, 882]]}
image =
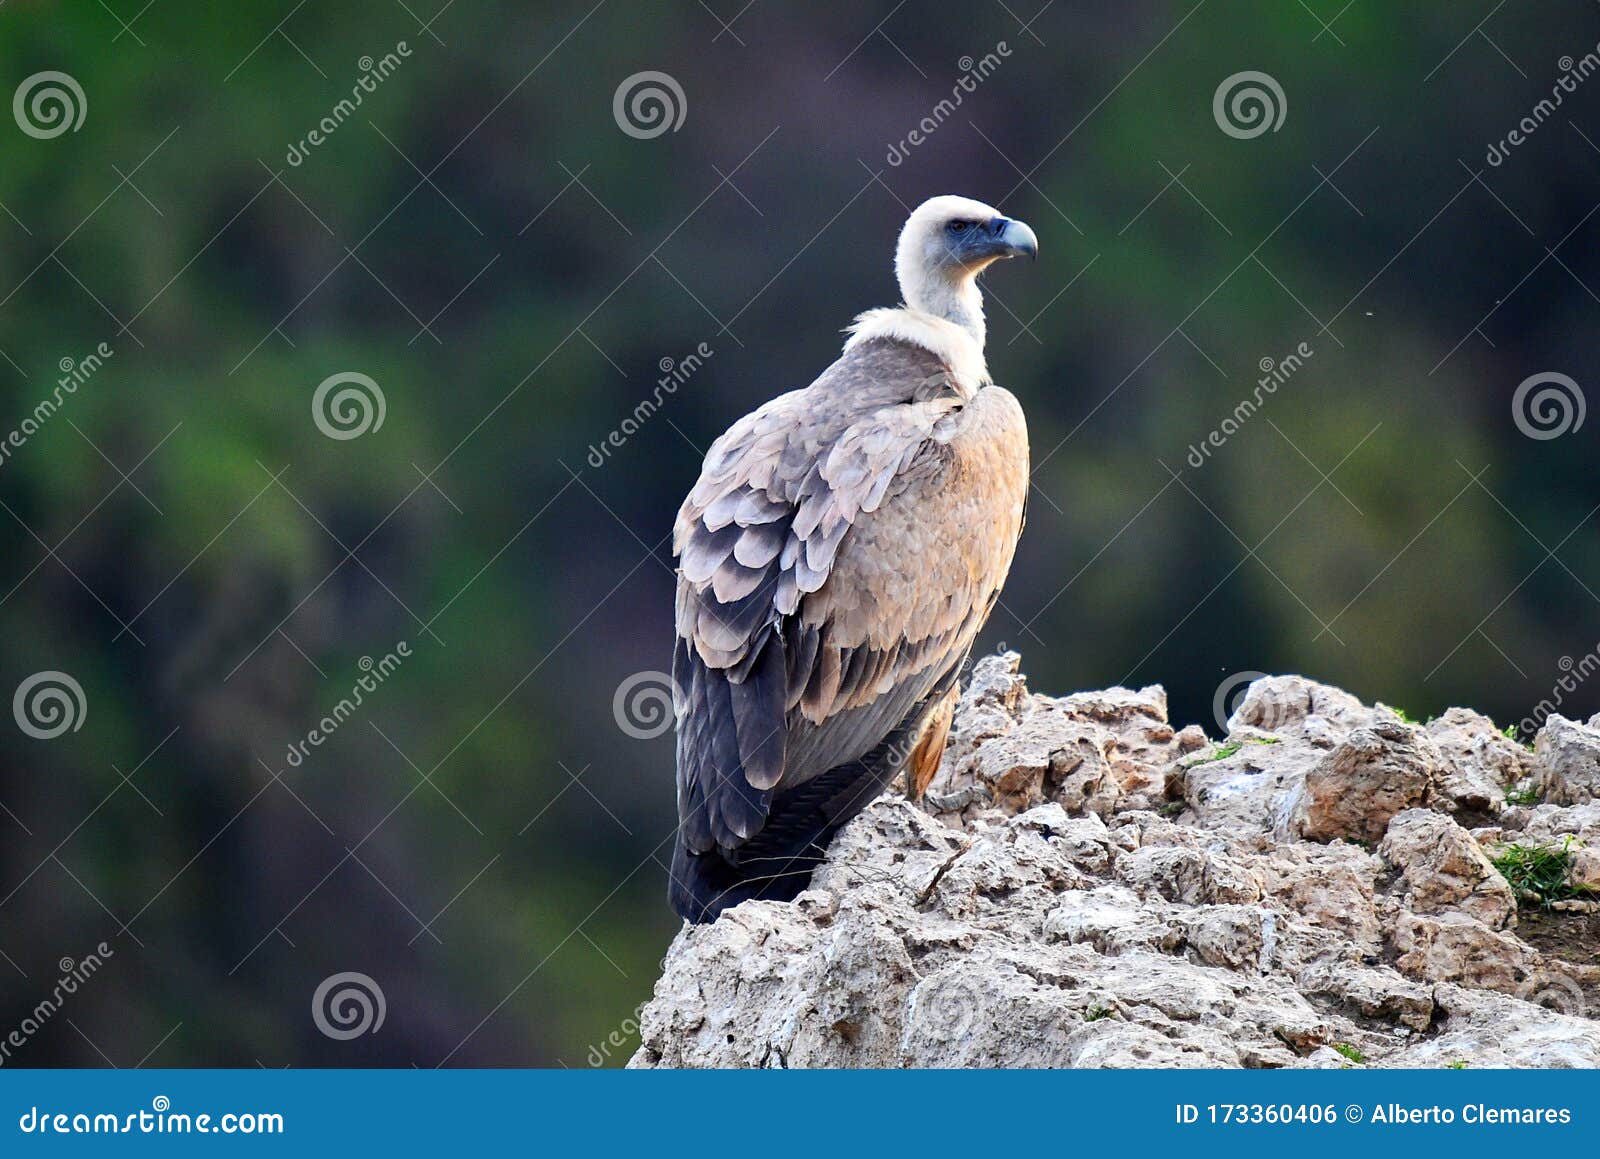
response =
{"points": [[484, 242]]}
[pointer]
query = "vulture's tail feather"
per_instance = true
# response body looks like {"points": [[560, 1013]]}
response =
{"points": [[776, 863]]}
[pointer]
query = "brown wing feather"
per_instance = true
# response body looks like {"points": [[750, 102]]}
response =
{"points": [[838, 554]]}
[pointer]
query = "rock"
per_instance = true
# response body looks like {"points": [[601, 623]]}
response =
{"points": [[1112, 920], [1486, 1030], [1375, 771], [1444, 871], [1453, 947], [1249, 788], [1586, 868], [1481, 762], [1553, 824], [1566, 761], [1334, 891], [1090, 752], [1086, 885], [1295, 704], [1303, 759], [1380, 994], [1233, 936], [1190, 876], [1574, 829]]}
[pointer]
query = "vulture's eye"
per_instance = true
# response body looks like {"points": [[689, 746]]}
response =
{"points": [[958, 226]]}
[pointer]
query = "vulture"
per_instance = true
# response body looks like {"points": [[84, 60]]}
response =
{"points": [[838, 555]]}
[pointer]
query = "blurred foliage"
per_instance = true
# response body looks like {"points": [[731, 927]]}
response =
{"points": [[483, 241]]}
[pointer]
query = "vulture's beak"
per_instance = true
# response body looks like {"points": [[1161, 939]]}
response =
{"points": [[1008, 239]]}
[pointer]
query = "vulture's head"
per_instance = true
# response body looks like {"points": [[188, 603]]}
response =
{"points": [[946, 243]]}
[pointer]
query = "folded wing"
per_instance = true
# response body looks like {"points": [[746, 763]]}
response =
{"points": [[829, 576]]}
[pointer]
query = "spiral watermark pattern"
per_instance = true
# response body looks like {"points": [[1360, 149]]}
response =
{"points": [[648, 104], [348, 405], [642, 705], [948, 1006], [1555, 992], [1270, 709], [348, 1005], [1248, 104], [49, 104], [48, 704], [1548, 405], [1228, 695]]}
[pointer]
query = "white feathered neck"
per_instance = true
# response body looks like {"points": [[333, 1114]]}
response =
{"points": [[951, 344]]}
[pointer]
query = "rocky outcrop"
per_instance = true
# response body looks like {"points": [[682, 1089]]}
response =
{"points": [[1443, 870], [1084, 885], [1566, 761]]}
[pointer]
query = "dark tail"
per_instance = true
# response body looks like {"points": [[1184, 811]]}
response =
{"points": [[776, 863]]}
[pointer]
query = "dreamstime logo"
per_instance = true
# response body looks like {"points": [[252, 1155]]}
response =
{"points": [[47, 704], [674, 373], [642, 706], [348, 1005], [600, 1053], [1548, 405], [973, 73], [1274, 373], [48, 104], [373, 74], [74, 373], [1248, 104], [1555, 992], [1574, 673], [1573, 74], [348, 405], [648, 104], [374, 674], [73, 975]]}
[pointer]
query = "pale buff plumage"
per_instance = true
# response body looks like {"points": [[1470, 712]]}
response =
{"points": [[841, 550]]}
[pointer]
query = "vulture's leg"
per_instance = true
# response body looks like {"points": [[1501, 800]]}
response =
{"points": [[929, 751]]}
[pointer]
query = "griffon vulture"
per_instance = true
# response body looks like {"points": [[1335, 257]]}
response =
{"points": [[841, 550]]}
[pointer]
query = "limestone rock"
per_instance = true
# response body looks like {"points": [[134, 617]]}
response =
{"points": [[1575, 829], [1566, 761], [1295, 704], [1484, 1029], [1456, 948], [1091, 752], [1481, 762], [1086, 885], [1444, 871], [1376, 771]]}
